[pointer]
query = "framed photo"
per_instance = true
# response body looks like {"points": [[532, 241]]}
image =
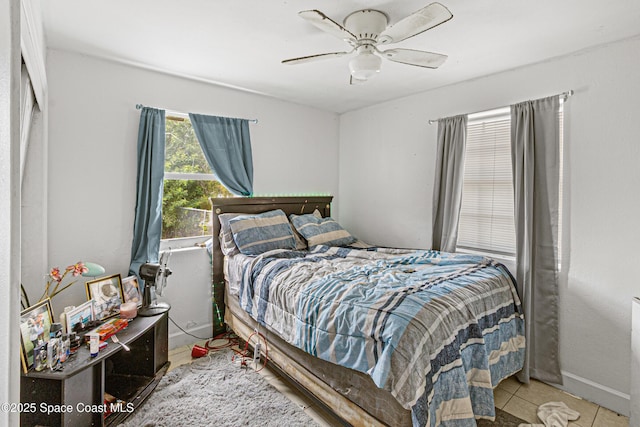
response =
{"points": [[107, 294], [35, 323], [80, 315], [131, 290]]}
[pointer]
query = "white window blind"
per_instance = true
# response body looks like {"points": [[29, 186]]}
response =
{"points": [[486, 215]]}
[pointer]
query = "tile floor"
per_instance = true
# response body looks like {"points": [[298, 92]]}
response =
{"points": [[522, 400], [511, 396]]}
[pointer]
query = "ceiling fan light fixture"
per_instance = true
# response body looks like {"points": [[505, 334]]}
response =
{"points": [[365, 65], [367, 29]]}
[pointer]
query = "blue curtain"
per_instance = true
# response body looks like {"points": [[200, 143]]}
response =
{"points": [[227, 148], [147, 228]]}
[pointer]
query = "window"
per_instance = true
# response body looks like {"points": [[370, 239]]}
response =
{"points": [[188, 183], [486, 215]]}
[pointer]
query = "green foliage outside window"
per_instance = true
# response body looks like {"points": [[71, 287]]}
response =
{"points": [[185, 202]]}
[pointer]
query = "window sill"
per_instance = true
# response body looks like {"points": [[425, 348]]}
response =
{"points": [[183, 243], [508, 260]]}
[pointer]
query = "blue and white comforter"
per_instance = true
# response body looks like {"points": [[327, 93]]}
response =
{"points": [[437, 330]]}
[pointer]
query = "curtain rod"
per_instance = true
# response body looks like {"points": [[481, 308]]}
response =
{"points": [[563, 95], [140, 107]]}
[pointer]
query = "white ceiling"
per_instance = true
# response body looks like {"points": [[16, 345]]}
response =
{"points": [[241, 43]]}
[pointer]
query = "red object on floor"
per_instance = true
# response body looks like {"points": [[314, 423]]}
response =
{"points": [[198, 351]]}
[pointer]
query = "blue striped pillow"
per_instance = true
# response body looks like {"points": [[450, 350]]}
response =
{"points": [[227, 244], [321, 231], [255, 234]]}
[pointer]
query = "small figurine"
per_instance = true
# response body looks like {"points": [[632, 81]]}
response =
{"points": [[40, 356]]}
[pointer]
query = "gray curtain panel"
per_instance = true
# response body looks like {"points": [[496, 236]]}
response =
{"points": [[447, 187], [227, 147], [147, 227], [535, 156]]}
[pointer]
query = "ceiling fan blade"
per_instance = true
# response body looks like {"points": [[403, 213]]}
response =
{"points": [[311, 58], [416, 23], [419, 58], [322, 21]]}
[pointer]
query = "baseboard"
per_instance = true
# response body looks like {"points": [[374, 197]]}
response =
{"points": [[597, 393], [179, 338]]}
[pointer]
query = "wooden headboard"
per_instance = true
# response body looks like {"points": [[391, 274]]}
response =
{"points": [[251, 205]]}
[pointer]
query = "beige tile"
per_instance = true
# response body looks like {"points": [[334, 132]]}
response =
{"points": [[522, 409], [501, 397], [180, 359], [268, 374], [538, 393], [178, 350], [180, 356], [510, 384], [607, 418]]}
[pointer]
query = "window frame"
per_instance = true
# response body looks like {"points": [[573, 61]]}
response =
{"points": [[189, 241]]}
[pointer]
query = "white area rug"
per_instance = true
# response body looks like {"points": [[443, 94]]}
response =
{"points": [[213, 391]]}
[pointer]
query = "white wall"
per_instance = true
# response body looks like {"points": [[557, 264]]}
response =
{"points": [[10, 205], [93, 127], [387, 156], [34, 182]]}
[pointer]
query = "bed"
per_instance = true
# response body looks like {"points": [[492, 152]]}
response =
{"points": [[379, 336]]}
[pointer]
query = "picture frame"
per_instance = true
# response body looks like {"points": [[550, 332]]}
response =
{"points": [[83, 313], [35, 322], [107, 295], [131, 290]]}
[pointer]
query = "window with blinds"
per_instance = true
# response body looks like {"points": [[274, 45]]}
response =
{"points": [[486, 215]]}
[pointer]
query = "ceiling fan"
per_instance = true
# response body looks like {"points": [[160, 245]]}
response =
{"points": [[366, 30]]}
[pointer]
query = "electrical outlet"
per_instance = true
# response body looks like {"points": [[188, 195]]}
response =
{"points": [[256, 352]]}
